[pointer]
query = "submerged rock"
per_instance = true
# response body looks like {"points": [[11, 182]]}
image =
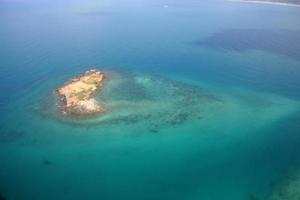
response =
{"points": [[47, 162]]}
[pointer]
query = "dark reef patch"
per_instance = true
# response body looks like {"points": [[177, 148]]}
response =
{"points": [[278, 41], [47, 162], [159, 101], [152, 130]]}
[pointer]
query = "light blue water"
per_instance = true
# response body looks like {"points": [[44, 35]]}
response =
{"points": [[204, 99]]}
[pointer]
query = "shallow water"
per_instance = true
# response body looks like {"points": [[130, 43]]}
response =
{"points": [[193, 113]]}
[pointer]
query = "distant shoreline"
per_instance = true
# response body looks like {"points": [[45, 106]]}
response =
{"points": [[267, 2]]}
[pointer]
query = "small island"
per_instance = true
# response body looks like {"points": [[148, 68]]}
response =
{"points": [[77, 95]]}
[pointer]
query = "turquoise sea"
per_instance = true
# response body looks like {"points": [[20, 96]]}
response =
{"points": [[204, 99]]}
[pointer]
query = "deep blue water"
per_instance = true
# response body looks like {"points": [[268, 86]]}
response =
{"points": [[205, 98]]}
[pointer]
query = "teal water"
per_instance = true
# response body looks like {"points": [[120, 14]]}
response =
{"points": [[203, 97]]}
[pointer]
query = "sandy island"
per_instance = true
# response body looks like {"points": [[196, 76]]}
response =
{"points": [[77, 95], [280, 3]]}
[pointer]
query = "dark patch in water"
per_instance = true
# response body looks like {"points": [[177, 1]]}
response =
{"points": [[152, 130], [47, 162], [7, 136], [127, 120], [253, 197], [179, 118], [280, 41], [2, 197]]}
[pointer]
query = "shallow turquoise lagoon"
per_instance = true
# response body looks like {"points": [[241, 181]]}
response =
{"points": [[203, 100]]}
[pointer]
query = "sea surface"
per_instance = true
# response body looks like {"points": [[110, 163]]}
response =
{"points": [[203, 98]]}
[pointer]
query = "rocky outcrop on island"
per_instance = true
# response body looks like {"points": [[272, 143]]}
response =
{"points": [[77, 95]]}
